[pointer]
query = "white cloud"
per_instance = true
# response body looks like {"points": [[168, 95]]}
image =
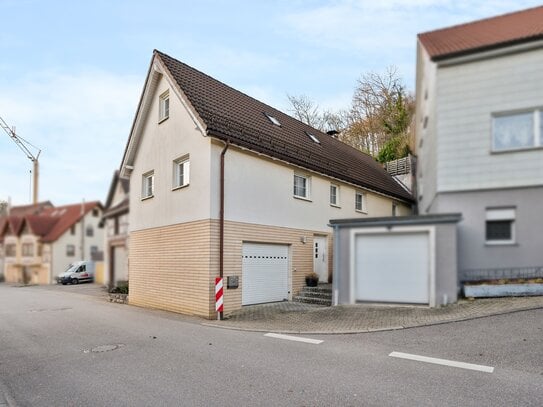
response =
{"points": [[81, 123]]}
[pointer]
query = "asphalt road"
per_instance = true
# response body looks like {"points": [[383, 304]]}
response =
{"points": [[61, 348]]}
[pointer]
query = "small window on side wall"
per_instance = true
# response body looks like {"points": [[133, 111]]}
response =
{"points": [[70, 250], [181, 172], [360, 202], [301, 186], [334, 195], [500, 226], [147, 185], [164, 106]]}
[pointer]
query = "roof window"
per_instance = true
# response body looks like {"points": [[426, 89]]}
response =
{"points": [[313, 137], [273, 119]]}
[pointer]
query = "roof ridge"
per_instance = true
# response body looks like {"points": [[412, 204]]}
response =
{"points": [[469, 23]]}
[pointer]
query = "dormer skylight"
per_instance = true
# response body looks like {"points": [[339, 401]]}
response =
{"points": [[273, 119], [313, 137]]}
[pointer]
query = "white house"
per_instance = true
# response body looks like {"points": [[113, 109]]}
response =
{"points": [[479, 127], [222, 184]]}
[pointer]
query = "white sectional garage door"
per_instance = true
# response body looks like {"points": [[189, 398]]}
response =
{"points": [[392, 268], [264, 273]]}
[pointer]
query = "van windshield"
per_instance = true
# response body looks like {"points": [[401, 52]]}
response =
{"points": [[72, 268]]}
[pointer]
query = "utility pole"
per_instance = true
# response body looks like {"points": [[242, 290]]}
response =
{"points": [[24, 146]]}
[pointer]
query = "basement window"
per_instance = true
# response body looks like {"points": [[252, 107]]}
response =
{"points": [[273, 119], [500, 226]]}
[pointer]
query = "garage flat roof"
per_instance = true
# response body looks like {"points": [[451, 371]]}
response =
{"points": [[398, 220]]}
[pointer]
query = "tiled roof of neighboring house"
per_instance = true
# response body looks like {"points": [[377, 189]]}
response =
{"points": [[482, 35], [233, 116], [51, 222], [32, 209], [67, 216]]}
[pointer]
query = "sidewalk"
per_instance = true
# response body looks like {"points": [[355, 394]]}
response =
{"points": [[292, 317]]}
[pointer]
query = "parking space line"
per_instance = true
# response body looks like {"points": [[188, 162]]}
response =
{"points": [[444, 362], [294, 338]]}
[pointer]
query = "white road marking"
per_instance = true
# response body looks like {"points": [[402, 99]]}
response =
{"points": [[445, 362], [294, 338]]}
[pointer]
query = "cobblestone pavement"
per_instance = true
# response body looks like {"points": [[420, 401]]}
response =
{"points": [[292, 317]]}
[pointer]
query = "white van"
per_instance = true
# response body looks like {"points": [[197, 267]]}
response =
{"points": [[77, 272]]}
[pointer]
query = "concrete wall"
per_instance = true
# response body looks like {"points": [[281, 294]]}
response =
{"points": [[474, 255]]}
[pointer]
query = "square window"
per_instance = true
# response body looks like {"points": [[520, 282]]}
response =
{"points": [[164, 106], [10, 250], [28, 249], [500, 226], [360, 202], [334, 195], [70, 250], [514, 131], [181, 172], [147, 185], [301, 186]]}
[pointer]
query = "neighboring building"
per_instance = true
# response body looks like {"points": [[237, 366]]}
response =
{"points": [[223, 182], [39, 245], [115, 219], [480, 140], [5, 211]]}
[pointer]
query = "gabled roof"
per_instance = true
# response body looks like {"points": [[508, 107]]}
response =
{"points": [[116, 180], [50, 223], [482, 35], [66, 217], [233, 116]]}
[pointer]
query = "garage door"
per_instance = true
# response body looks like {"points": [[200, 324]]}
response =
{"points": [[392, 268], [265, 273]]}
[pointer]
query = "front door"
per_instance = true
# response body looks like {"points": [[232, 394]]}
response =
{"points": [[320, 258]]}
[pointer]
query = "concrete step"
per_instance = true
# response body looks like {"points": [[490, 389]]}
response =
{"points": [[316, 294], [309, 300]]}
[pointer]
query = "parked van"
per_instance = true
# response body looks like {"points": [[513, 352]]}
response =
{"points": [[77, 272]]}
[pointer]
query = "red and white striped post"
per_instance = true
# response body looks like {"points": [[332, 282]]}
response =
{"points": [[219, 306]]}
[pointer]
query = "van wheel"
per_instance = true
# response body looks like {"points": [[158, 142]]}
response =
{"points": [[75, 281]]}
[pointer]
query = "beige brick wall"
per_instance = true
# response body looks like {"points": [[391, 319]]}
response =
{"points": [[170, 268], [174, 267]]}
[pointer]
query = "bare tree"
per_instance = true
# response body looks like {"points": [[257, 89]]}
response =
{"points": [[378, 120]]}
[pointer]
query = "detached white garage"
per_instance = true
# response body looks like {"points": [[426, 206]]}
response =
{"points": [[265, 273], [409, 259], [393, 267]]}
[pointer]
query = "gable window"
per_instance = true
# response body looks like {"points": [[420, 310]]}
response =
{"points": [[515, 131], [28, 249], [301, 186], [148, 185], [164, 106], [500, 226], [89, 231], [181, 172], [360, 202], [334, 195], [10, 250], [70, 250]]}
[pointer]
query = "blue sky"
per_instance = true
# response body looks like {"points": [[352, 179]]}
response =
{"points": [[71, 72]]}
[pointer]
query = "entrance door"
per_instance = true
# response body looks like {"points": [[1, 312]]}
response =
{"points": [[320, 258]]}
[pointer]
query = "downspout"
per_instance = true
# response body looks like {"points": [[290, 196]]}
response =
{"points": [[221, 217], [335, 272]]}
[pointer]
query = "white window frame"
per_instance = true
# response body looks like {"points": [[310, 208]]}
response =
{"points": [[364, 197], [537, 129], [501, 214], [149, 176], [181, 163], [307, 179], [336, 203], [164, 106]]}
